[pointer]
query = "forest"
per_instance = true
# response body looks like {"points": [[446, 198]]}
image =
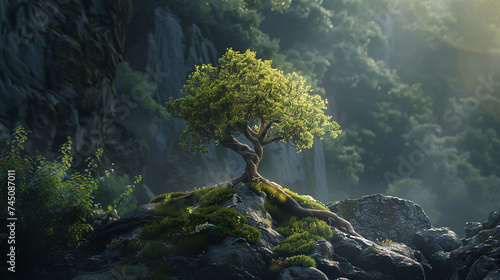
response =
{"points": [[412, 88], [413, 85]]}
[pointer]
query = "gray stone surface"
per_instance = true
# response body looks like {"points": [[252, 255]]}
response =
{"points": [[383, 217]]}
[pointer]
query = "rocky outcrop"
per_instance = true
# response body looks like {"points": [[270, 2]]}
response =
{"points": [[430, 253], [234, 257], [58, 62], [443, 254], [477, 257]]}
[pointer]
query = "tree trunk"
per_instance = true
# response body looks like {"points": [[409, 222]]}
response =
{"points": [[252, 159]]}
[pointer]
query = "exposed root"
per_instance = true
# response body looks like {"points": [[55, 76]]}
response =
{"points": [[290, 205]]}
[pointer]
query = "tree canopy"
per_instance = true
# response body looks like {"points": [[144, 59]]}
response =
{"points": [[245, 95]]}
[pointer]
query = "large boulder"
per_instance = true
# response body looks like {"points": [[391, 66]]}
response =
{"points": [[383, 217]]}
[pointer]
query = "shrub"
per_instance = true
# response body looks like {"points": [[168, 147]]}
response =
{"points": [[299, 260], [297, 243], [53, 205], [317, 228]]}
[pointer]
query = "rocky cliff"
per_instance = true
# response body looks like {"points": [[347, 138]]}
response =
{"points": [[58, 63], [236, 233]]}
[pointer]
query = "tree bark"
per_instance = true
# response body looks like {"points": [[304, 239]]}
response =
{"points": [[252, 159]]}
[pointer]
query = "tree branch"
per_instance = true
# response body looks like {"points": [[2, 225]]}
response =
{"points": [[264, 129], [251, 132], [269, 140]]}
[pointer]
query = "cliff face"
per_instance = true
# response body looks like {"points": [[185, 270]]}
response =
{"points": [[166, 48], [58, 62]]}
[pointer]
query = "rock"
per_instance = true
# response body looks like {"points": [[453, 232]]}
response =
{"points": [[383, 217], [391, 260], [391, 263], [494, 275], [234, 258], [493, 220], [482, 267], [433, 240], [472, 229], [345, 247], [58, 63], [442, 255], [323, 249], [302, 273]]}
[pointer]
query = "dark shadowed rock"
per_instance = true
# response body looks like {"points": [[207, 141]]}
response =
{"points": [[234, 258], [302, 273], [493, 220], [482, 267], [472, 229], [391, 263], [383, 217], [390, 260], [433, 240]]}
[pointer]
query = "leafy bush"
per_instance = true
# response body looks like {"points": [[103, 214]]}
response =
{"points": [[297, 243], [299, 260], [301, 235], [317, 228], [115, 192], [53, 205]]}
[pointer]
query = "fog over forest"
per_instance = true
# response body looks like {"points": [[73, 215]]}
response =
{"points": [[413, 84], [95, 97]]}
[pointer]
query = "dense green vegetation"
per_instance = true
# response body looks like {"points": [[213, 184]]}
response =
{"points": [[413, 85], [55, 206]]}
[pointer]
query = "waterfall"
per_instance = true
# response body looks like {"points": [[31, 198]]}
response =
{"points": [[320, 172]]}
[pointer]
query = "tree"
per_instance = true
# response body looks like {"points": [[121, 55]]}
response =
{"points": [[244, 95]]}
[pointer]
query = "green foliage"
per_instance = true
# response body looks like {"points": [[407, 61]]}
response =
{"points": [[232, 23], [174, 207], [278, 197], [53, 203], [301, 235], [277, 213], [297, 243], [156, 249], [224, 221], [227, 221], [216, 196], [222, 101], [115, 192], [483, 148], [300, 261], [135, 107], [167, 196], [306, 201], [318, 229]]}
